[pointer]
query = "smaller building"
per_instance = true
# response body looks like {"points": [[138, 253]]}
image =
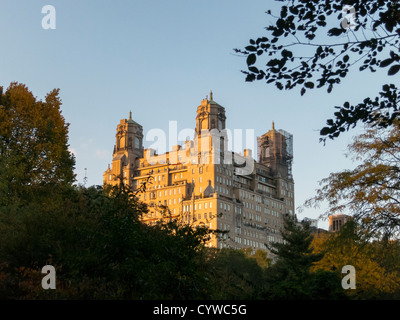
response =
{"points": [[315, 231], [337, 221]]}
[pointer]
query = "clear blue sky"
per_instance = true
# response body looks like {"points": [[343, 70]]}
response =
{"points": [[160, 58]]}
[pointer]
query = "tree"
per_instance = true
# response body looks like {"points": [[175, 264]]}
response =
{"points": [[33, 145], [101, 250], [295, 52], [376, 263], [291, 277], [371, 191], [235, 275]]}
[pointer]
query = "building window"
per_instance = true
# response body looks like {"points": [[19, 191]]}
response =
{"points": [[137, 143]]}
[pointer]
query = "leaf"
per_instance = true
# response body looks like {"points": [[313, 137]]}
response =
{"points": [[335, 32], [293, 10], [394, 56], [309, 85], [286, 53], [250, 77], [273, 62], [251, 59], [325, 131], [386, 62], [251, 48], [253, 69], [280, 23], [394, 69]]}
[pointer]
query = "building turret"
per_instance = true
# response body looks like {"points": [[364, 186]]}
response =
{"points": [[127, 149], [275, 150]]}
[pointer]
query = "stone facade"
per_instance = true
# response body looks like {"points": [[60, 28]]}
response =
{"points": [[201, 182], [337, 221]]}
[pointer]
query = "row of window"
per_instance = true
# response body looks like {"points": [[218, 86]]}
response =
{"points": [[264, 188], [221, 190], [224, 171], [287, 193], [155, 214], [265, 180], [241, 179], [197, 206], [250, 205], [188, 218], [225, 206], [154, 194], [286, 185], [250, 243], [222, 180]]}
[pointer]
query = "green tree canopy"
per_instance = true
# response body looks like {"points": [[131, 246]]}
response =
{"points": [[100, 250], [371, 191], [33, 144], [290, 277]]}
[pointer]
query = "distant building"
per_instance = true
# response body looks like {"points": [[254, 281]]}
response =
{"points": [[202, 182], [314, 226], [337, 221]]}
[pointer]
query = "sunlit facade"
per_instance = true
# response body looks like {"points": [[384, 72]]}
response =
{"points": [[337, 221], [202, 182]]}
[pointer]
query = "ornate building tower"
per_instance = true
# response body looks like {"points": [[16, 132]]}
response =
{"points": [[275, 150], [128, 149], [211, 139], [210, 115]]}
